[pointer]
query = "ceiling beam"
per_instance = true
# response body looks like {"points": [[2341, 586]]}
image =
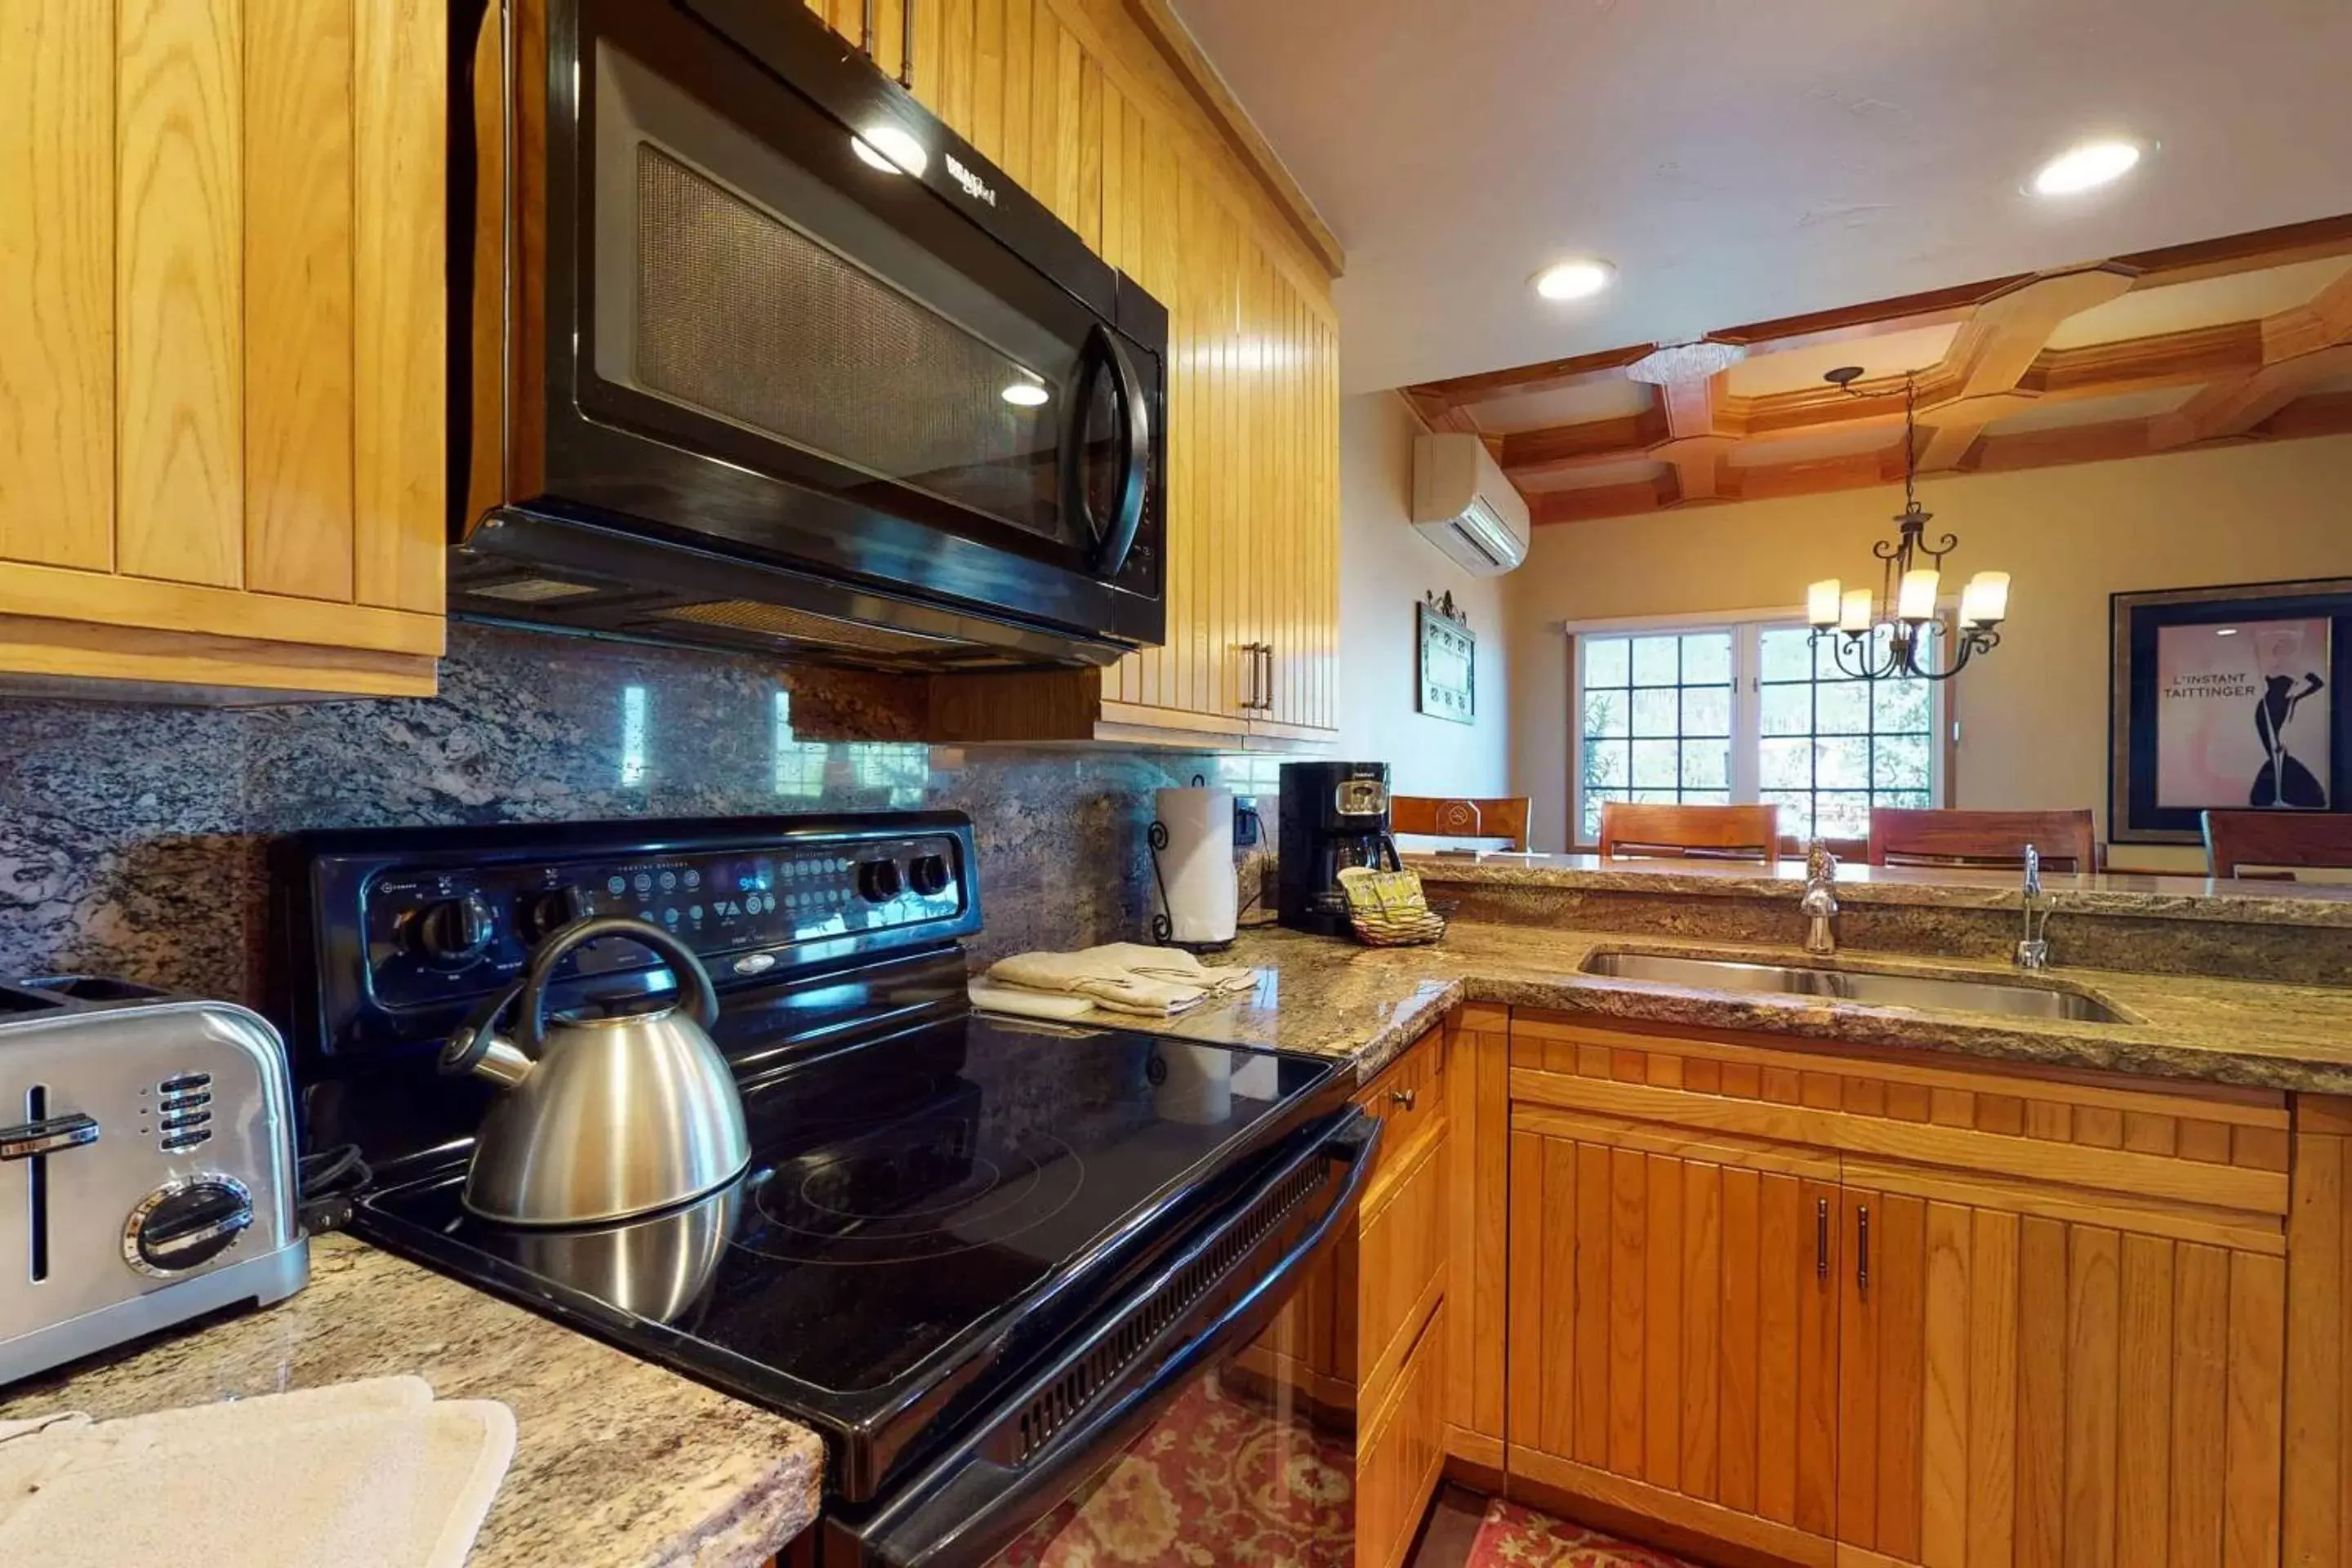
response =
{"points": [[1992, 353], [2188, 358], [2259, 250], [2323, 413], [1548, 376], [1630, 499], [2235, 407], [1533, 454]]}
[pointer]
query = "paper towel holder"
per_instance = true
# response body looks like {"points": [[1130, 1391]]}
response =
{"points": [[1248, 826]]}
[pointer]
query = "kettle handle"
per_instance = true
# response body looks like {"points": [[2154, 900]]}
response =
{"points": [[683, 963]]}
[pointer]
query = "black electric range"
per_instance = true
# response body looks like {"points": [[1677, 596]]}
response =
{"points": [[971, 1251]]}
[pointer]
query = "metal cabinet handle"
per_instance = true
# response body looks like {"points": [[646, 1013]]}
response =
{"points": [[1822, 1239], [29, 1139], [1402, 1099], [1265, 651], [1861, 1248]]}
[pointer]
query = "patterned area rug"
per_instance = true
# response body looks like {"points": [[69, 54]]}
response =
{"points": [[1217, 1481], [1516, 1537]]}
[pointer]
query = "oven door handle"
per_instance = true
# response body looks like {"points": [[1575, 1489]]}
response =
{"points": [[1113, 539], [968, 1506]]}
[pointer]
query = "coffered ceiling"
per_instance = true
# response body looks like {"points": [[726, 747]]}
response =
{"points": [[2246, 339], [1744, 160]]}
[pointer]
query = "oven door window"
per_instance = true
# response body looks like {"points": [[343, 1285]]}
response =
{"points": [[1252, 1462], [766, 288]]}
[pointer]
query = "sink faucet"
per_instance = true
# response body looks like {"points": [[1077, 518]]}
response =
{"points": [[2034, 949], [1820, 905]]}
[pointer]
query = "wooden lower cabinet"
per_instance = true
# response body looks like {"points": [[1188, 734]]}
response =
{"points": [[1884, 1341], [1673, 1323], [2318, 1501], [1400, 1451], [2020, 1389]]}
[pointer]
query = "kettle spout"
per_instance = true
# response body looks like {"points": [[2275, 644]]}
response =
{"points": [[478, 1047], [502, 1062]]}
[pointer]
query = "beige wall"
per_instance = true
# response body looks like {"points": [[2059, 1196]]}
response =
{"points": [[1385, 566], [2033, 713]]}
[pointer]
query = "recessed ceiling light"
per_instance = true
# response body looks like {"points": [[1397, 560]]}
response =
{"points": [[890, 150], [2086, 167], [1025, 394], [2226, 632], [1574, 280]]}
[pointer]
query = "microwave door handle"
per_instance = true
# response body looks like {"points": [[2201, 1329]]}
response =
{"points": [[1134, 458]]}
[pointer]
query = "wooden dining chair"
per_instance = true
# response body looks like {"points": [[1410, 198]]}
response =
{"points": [[1631, 831], [2276, 844], [1438, 816], [2066, 840]]}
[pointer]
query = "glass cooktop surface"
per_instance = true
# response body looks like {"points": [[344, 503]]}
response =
{"points": [[901, 1194]]}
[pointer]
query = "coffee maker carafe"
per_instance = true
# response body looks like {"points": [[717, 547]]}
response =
{"points": [[1334, 815]]}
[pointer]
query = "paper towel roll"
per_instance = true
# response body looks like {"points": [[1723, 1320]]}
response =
{"points": [[1196, 867], [1192, 1085]]}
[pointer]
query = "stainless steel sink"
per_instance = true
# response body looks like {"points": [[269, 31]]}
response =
{"points": [[1856, 985]]}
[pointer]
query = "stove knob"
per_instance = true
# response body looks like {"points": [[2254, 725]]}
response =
{"points": [[877, 880], [542, 915], [928, 874], [185, 1224], [455, 931]]}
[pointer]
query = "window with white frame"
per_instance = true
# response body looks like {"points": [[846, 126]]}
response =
{"points": [[1749, 712]]}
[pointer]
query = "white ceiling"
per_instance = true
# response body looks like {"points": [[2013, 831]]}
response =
{"points": [[1743, 160]]}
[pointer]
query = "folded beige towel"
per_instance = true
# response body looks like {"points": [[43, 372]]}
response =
{"points": [[359, 1475], [1124, 977]]}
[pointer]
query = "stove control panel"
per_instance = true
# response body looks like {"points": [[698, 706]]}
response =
{"points": [[439, 930]]}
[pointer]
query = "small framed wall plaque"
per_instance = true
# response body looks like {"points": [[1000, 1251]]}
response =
{"points": [[1447, 666], [2232, 698]]}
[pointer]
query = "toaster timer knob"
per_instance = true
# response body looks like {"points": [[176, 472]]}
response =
{"points": [[185, 1225], [454, 932]]}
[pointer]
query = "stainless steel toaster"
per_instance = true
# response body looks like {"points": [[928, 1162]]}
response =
{"points": [[147, 1169]]}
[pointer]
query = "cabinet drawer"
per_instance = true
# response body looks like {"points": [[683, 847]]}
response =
{"points": [[1399, 1261], [2209, 1146], [1408, 1096], [1399, 1453]]}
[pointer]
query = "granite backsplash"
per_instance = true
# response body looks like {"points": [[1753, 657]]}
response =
{"points": [[132, 835]]}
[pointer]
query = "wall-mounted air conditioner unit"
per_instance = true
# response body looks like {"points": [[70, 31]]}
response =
{"points": [[1464, 504]]}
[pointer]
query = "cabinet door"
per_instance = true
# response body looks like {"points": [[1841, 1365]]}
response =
{"points": [[222, 423], [1673, 1320], [2024, 1389]]}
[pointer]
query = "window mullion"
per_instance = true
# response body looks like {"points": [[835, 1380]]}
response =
{"points": [[1746, 708]]}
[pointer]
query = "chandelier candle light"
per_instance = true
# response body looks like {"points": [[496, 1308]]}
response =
{"points": [[1910, 581]]}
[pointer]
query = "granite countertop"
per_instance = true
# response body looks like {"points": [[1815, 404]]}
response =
{"points": [[618, 1463], [2102, 893], [1332, 997]]}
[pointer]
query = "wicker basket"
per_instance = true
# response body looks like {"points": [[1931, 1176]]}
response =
{"points": [[1397, 931]]}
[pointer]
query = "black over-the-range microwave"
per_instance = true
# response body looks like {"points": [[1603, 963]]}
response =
{"points": [[750, 350]]}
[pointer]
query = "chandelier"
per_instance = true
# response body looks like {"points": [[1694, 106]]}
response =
{"points": [[1883, 635]]}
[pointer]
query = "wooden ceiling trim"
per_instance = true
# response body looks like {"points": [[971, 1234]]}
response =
{"points": [[1995, 350], [1551, 376], [1531, 454], [2245, 380], [1547, 507], [2234, 409], [2070, 444], [2253, 252], [1935, 307], [2323, 413], [2188, 358]]}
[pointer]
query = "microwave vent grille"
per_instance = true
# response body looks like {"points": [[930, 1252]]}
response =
{"points": [[800, 625]]}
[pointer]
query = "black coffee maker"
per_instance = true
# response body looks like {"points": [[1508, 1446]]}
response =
{"points": [[1334, 815]]}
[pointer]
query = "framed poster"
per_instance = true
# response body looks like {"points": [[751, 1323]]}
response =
{"points": [[2229, 699], [1447, 666]]}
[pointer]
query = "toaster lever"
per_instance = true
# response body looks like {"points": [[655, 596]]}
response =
{"points": [[27, 1139]]}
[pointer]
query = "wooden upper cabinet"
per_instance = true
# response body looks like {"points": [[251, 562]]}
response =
{"points": [[221, 285], [1077, 102]]}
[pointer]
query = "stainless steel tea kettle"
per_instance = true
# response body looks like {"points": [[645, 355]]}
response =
{"points": [[603, 1118]]}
